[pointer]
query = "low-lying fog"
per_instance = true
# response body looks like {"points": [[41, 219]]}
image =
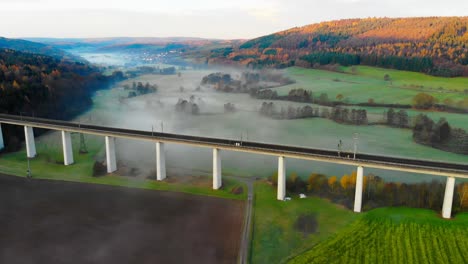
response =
{"points": [[157, 111]]}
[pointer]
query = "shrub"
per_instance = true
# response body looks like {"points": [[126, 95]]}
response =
{"points": [[99, 169]]}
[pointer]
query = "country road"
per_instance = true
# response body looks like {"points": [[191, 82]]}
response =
{"points": [[245, 240]]}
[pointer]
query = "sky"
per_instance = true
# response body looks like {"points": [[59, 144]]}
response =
{"points": [[220, 19]]}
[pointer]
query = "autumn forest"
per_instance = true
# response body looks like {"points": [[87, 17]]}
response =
{"points": [[432, 45]]}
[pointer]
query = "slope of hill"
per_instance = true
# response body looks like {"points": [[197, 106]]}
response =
{"points": [[433, 45], [130, 44], [33, 47], [34, 84]]}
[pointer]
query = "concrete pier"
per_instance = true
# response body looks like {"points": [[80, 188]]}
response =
{"points": [[29, 140], [2, 144], [217, 181], [110, 154], [160, 162], [67, 148], [281, 193], [359, 187], [448, 198]]}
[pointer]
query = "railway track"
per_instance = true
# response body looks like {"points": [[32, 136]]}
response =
{"points": [[326, 155]]}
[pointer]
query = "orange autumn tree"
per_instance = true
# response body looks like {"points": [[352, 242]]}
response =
{"points": [[332, 183], [462, 190]]}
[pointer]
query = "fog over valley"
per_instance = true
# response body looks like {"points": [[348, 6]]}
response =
{"points": [[158, 112]]}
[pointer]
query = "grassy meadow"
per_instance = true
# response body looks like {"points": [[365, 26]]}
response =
{"points": [[364, 82], [274, 236], [383, 235], [48, 164]]}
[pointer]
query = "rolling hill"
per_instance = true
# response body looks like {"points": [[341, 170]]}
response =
{"points": [[432, 45], [35, 48], [131, 44]]}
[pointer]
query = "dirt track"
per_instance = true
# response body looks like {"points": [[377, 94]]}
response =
{"points": [[61, 222]]}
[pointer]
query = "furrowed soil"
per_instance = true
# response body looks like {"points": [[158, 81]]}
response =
{"points": [[45, 221]]}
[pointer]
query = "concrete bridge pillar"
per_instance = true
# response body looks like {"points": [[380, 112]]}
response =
{"points": [[110, 154], [2, 144], [67, 148], [30, 144], [448, 198], [281, 193], [217, 181], [359, 187], [160, 161]]}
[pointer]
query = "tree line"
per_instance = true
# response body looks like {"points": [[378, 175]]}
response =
{"points": [[416, 64], [187, 106], [376, 191], [440, 135], [249, 81], [338, 114], [140, 89]]}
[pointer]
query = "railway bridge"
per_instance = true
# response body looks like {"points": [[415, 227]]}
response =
{"points": [[449, 170]]}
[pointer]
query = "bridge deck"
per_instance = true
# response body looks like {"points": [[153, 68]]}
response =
{"points": [[322, 155]]}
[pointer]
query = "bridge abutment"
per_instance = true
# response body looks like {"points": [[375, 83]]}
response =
{"points": [[217, 181], [160, 161], [67, 148], [359, 187], [110, 154], [281, 193], [448, 198], [30, 144], [2, 144]]}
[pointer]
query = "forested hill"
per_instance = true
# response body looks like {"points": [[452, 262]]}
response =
{"points": [[433, 45], [36, 48], [32, 84]]}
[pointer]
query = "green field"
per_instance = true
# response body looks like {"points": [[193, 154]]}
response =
{"points": [[368, 82], [455, 120], [274, 237], [48, 164], [395, 235], [372, 139]]}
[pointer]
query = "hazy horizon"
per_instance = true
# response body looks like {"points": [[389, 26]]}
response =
{"points": [[205, 19], [142, 37]]}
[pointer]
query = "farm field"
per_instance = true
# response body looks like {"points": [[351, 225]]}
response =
{"points": [[368, 82], [65, 222], [406, 78], [395, 235], [274, 235]]}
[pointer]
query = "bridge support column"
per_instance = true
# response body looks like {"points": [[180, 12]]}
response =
{"points": [[359, 187], [67, 148], [2, 144], [448, 198], [281, 193], [110, 154], [217, 181], [160, 162], [30, 144]]}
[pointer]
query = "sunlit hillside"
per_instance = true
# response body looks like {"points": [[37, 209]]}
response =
{"points": [[433, 45]]}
